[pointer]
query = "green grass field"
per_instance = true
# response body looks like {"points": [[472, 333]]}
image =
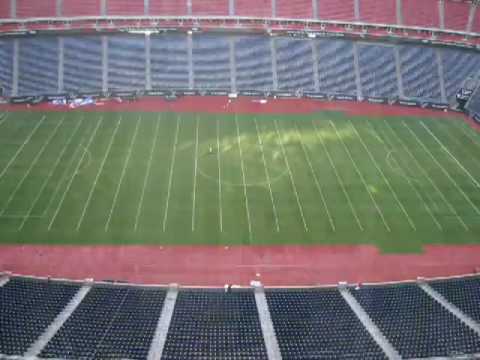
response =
{"points": [[165, 178]]}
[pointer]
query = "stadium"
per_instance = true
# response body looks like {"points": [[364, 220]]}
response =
{"points": [[239, 179]]}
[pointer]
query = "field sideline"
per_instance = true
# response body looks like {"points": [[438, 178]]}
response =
{"points": [[222, 179]]}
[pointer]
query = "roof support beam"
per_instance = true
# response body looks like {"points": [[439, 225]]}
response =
{"points": [[233, 65], [104, 63], [398, 5], [273, 52], [61, 48], [440, 74], [471, 16], [441, 13]]}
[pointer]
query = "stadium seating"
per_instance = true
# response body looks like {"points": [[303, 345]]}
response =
{"points": [[405, 312], [83, 8], [208, 7], [126, 62], [378, 74], [336, 10], [300, 9], [423, 13], [457, 67], [167, 7], [6, 65], [259, 8], [36, 8], [476, 21], [378, 12], [212, 324], [318, 324], [126, 7], [456, 14], [26, 309], [4, 9]]}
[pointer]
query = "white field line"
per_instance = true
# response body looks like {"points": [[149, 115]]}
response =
{"points": [[195, 167], [425, 173], [100, 170], [419, 195], [73, 175], [32, 165], [294, 187], [49, 176], [473, 138], [220, 208], [147, 175], [319, 188], [19, 150], [267, 176], [339, 179], [443, 170], [451, 155], [122, 175], [244, 180], [3, 118], [400, 204], [361, 177], [170, 177]]}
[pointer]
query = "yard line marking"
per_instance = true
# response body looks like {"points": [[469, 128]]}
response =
{"points": [[220, 210], [19, 150], [195, 166], [361, 177], [402, 207], [291, 176], [451, 155], [122, 175], [267, 175], [73, 176], [100, 170], [342, 185], [147, 175], [244, 180], [443, 169], [172, 164], [319, 188], [32, 165], [391, 148], [425, 173], [472, 138], [52, 171], [3, 118]]}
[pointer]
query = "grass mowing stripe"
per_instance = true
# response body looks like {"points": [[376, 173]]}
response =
{"points": [[389, 147], [319, 188], [425, 173], [19, 150], [170, 176], [466, 197], [147, 174], [469, 134], [339, 179], [361, 177], [469, 151], [122, 175], [29, 170], [402, 207], [99, 172], [267, 176], [195, 166], [220, 210], [243, 179], [73, 175], [294, 187], [451, 155], [50, 174]]}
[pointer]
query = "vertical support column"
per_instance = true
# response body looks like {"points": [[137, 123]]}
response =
{"points": [[398, 68], [190, 61], [231, 7], [356, 8], [315, 9], [60, 63], [357, 72], [471, 16], [398, 5], [13, 9], [146, 7], [148, 63], [274, 8], [59, 8], [316, 78], [189, 7], [273, 52], [441, 13], [233, 65], [103, 7], [16, 51], [440, 75], [104, 63]]}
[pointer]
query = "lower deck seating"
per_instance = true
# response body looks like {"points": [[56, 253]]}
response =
{"points": [[6, 66], [458, 66], [126, 62], [169, 61], [294, 65]]}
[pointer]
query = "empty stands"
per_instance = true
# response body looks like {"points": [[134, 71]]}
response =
{"points": [[4, 9], [300, 9], [126, 7], [6, 66], [259, 8], [36, 8], [378, 12], [456, 14], [208, 7], [167, 7], [83, 8], [458, 66], [336, 10], [126, 62], [423, 13]]}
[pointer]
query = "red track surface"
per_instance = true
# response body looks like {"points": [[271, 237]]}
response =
{"points": [[215, 265]]}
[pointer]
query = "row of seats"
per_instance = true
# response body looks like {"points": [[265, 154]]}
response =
{"points": [[425, 13]]}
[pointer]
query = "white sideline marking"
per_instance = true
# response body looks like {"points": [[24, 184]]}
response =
{"points": [[122, 175], [220, 209], [450, 206], [19, 150], [451, 155], [409, 219], [100, 170], [172, 164], [443, 170], [472, 137], [2, 120], [391, 148], [195, 166], [291, 176], [27, 173], [446, 131], [361, 178], [73, 176], [244, 180], [319, 188], [147, 175], [339, 179], [267, 175]]}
